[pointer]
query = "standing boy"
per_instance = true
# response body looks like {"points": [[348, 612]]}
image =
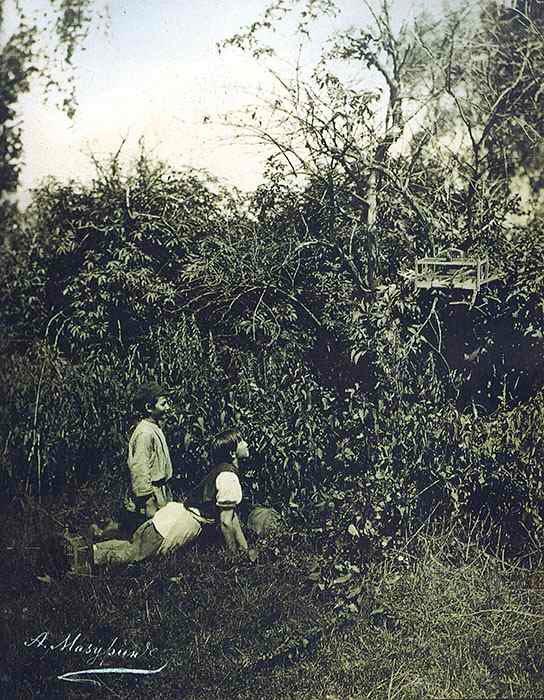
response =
{"points": [[149, 464], [149, 461]]}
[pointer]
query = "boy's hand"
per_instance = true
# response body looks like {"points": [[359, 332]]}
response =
{"points": [[252, 555]]}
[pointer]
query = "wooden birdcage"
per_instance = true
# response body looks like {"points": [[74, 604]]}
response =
{"points": [[450, 269]]}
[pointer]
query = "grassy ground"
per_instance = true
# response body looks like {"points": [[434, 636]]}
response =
{"points": [[438, 619]]}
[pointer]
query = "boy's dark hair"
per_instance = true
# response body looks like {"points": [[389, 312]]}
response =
{"points": [[148, 393], [223, 445]]}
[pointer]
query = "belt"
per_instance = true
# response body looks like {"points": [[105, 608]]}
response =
{"points": [[196, 515]]}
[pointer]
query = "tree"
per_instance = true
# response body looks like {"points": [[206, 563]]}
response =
{"points": [[334, 132], [492, 77], [422, 161], [516, 37], [466, 78], [25, 56]]}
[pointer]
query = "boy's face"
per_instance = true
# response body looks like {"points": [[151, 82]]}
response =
{"points": [[160, 408], [242, 450]]}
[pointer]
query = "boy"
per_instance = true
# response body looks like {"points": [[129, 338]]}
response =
{"points": [[174, 525], [216, 497], [148, 462]]}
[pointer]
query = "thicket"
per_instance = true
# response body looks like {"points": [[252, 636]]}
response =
{"points": [[291, 312], [350, 406]]}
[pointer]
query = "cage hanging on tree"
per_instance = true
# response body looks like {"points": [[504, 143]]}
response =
{"points": [[450, 269]]}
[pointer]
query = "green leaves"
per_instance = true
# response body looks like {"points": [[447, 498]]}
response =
{"points": [[106, 264]]}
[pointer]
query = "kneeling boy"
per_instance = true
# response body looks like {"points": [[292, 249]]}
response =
{"points": [[213, 501]]}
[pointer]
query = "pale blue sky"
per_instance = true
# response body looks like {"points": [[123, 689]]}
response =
{"points": [[156, 73]]}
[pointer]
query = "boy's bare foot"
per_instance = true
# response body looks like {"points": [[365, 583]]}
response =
{"points": [[95, 532]]}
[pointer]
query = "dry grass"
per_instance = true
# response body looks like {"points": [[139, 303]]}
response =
{"points": [[440, 619]]}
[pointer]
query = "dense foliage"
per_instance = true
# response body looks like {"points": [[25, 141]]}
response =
{"points": [[292, 313]]}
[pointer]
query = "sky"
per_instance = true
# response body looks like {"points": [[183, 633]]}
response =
{"points": [[155, 72]]}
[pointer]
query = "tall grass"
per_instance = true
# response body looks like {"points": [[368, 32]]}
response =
{"points": [[440, 616]]}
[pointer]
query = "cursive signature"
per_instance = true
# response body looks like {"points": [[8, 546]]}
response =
{"points": [[95, 654]]}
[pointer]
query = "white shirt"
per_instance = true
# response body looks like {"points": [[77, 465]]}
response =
{"points": [[229, 490], [165, 517]]}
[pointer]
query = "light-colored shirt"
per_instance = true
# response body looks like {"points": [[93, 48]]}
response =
{"points": [[165, 517], [148, 458], [229, 490]]}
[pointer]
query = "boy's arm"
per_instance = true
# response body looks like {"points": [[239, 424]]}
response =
{"points": [[140, 464], [232, 531], [229, 495]]}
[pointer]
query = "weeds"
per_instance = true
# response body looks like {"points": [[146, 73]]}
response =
{"points": [[441, 617]]}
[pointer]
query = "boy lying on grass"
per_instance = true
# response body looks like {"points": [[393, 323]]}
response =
{"points": [[212, 502]]}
